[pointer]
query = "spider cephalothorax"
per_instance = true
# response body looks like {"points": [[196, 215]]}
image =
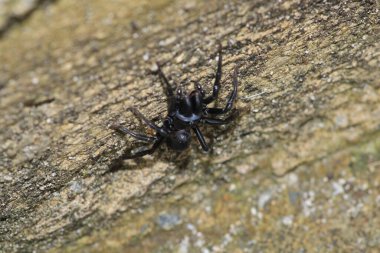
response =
{"points": [[185, 112]]}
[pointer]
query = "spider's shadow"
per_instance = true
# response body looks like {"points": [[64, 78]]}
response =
{"points": [[181, 160]]}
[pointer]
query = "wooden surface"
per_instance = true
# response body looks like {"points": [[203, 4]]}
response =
{"points": [[309, 96]]}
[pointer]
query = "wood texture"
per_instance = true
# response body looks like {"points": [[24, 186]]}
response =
{"points": [[309, 89]]}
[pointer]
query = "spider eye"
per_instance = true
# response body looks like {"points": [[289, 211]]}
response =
{"points": [[180, 91], [179, 140]]}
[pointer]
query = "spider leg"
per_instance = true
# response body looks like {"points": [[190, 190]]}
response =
{"points": [[218, 77], [200, 137], [145, 151], [138, 136], [218, 122], [169, 90], [231, 99], [138, 114]]}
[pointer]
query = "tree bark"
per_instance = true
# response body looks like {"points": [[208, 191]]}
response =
{"points": [[306, 140]]}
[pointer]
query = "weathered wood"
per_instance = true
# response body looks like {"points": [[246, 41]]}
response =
{"points": [[309, 94]]}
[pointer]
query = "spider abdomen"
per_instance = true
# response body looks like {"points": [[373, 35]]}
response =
{"points": [[179, 140]]}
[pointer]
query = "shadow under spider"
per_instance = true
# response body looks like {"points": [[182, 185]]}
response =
{"points": [[180, 159]]}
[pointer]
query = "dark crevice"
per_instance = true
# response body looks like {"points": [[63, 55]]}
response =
{"points": [[18, 19], [33, 103]]}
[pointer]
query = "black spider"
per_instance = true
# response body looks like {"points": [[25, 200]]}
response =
{"points": [[185, 112]]}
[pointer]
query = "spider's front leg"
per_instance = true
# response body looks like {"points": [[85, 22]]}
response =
{"points": [[219, 122], [169, 90], [218, 77], [231, 99]]}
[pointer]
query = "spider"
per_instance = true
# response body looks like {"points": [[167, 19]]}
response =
{"points": [[185, 113]]}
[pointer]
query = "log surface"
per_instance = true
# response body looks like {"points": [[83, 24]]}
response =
{"points": [[297, 171]]}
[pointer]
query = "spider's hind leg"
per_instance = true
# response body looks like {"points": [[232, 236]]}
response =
{"points": [[138, 136], [150, 123], [145, 151]]}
